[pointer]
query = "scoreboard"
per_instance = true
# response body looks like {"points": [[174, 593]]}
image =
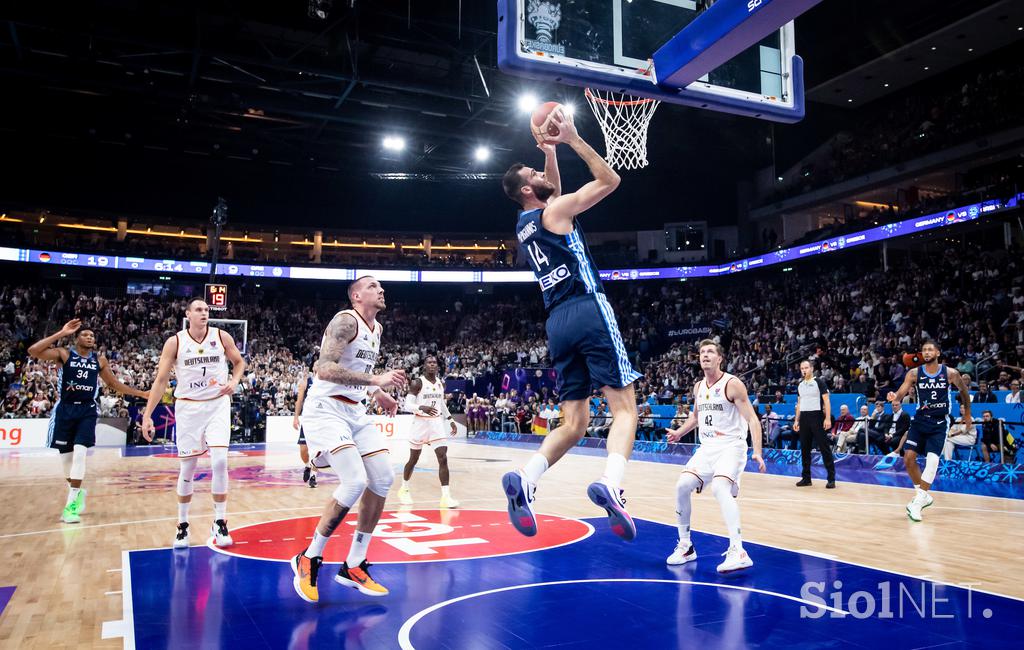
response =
{"points": [[217, 296]]}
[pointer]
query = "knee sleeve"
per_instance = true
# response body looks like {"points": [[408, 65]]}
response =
{"points": [[380, 475], [347, 464], [931, 467], [219, 465], [320, 461], [65, 462], [185, 474], [688, 483], [77, 472], [721, 488]]}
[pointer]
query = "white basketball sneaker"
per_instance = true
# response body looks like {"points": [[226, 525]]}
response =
{"points": [[221, 537], [448, 501], [181, 536], [405, 494], [683, 553], [917, 504], [736, 559]]}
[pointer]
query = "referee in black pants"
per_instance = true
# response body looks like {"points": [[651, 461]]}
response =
{"points": [[813, 419]]}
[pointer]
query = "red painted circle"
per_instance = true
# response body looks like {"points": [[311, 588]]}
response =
{"points": [[411, 536]]}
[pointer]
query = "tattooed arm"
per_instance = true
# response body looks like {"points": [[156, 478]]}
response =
{"points": [[340, 332]]}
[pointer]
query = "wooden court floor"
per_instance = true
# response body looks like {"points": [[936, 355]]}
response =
{"points": [[68, 576]]}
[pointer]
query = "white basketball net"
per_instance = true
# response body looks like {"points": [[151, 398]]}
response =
{"points": [[624, 120]]}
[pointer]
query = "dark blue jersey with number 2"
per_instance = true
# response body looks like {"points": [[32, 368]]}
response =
{"points": [[933, 396]]}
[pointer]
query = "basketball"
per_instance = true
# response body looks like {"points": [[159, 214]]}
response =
{"points": [[912, 360], [540, 114]]}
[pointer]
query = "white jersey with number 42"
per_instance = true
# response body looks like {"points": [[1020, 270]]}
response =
{"points": [[719, 421], [360, 355], [200, 367]]}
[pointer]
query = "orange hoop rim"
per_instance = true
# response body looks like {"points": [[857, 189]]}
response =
{"points": [[614, 102]]}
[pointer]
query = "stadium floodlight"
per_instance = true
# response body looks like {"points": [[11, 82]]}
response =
{"points": [[394, 143], [482, 154], [527, 102]]}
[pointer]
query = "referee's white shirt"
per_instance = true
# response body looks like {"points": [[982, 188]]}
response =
{"points": [[811, 392]]}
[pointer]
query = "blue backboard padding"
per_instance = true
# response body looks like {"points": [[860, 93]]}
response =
{"points": [[718, 34], [541, 69]]}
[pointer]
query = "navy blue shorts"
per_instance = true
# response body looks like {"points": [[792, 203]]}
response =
{"points": [[586, 347], [302, 436], [72, 424], [927, 436]]}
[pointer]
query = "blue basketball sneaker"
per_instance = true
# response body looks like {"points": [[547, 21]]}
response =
{"points": [[519, 492], [611, 500]]}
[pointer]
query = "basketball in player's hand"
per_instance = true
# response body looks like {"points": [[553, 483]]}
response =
{"points": [[911, 360], [540, 116]]}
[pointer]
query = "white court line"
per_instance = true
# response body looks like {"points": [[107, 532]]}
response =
{"points": [[860, 564], [113, 570], [404, 633], [112, 593], [149, 521]]}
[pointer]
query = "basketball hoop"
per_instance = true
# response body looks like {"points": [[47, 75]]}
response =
{"points": [[624, 120]]}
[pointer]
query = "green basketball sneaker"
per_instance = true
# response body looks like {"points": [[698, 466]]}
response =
{"points": [[79, 502], [70, 515]]}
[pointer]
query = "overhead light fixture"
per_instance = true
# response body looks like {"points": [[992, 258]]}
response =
{"points": [[886, 85], [527, 102], [482, 153], [394, 143], [569, 109], [850, 101]]}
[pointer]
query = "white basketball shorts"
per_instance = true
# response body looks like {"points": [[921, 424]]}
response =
{"points": [[199, 425]]}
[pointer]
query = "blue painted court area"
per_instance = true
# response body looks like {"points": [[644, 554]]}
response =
{"points": [[596, 593]]}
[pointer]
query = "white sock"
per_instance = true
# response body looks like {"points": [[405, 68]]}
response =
{"points": [[72, 494], [183, 512], [220, 509], [316, 547], [535, 468], [683, 520], [614, 469], [731, 514], [920, 493], [405, 484], [445, 491], [357, 553]]}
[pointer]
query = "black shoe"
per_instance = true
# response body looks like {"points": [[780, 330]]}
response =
{"points": [[804, 482], [831, 485], [306, 473], [312, 481]]}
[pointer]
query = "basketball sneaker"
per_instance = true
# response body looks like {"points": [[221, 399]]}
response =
{"points": [[683, 553], [614, 504], [736, 559], [405, 494], [358, 577], [69, 515], [181, 537], [79, 502], [307, 472], [448, 501], [520, 494], [918, 504], [306, 570], [221, 537], [312, 481]]}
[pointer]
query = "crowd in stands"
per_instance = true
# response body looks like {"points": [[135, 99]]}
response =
{"points": [[856, 323], [920, 121]]}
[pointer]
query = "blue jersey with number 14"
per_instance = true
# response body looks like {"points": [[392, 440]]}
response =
{"points": [[561, 263]]}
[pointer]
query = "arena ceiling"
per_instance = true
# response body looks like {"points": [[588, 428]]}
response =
{"points": [[156, 107]]}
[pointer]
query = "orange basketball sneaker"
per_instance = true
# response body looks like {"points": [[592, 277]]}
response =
{"points": [[358, 577], [306, 570]]}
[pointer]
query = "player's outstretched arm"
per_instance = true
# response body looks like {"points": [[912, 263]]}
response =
{"points": [[963, 393], [908, 383], [737, 392], [41, 349], [156, 391], [559, 213], [234, 355], [688, 425], [550, 166], [340, 332], [107, 375]]}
